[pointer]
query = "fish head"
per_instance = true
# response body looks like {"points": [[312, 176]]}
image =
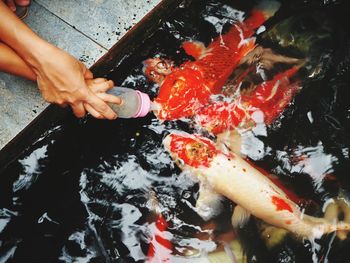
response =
{"points": [[182, 93], [156, 69], [190, 149]]}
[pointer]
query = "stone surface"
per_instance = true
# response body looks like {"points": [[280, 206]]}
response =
{"points": [[56, 31], [104, 21], [84, 28], [20, 103]]}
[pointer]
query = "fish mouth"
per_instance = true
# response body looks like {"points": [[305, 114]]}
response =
{"points": [[156, 69]]}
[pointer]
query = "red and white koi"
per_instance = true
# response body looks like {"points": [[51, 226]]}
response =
{"points": [[231, 176], [160, 247], [269, 98]]}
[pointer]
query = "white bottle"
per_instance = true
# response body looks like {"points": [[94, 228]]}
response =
{"points": [[134, 102]]}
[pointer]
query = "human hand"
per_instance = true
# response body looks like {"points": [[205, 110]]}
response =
{"points": [[100, 86], [12, 4], [61, 79]]}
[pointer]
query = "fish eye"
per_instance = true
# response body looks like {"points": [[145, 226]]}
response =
{"points": [[152, 73], [162, 65]]}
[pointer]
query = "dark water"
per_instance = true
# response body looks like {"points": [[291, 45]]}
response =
{"points": [[86, 191]]}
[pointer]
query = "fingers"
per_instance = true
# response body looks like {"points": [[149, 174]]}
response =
{"points": [[79, 109], [99, 85], [95, 101], [101, 107], [86, 72], [99, 80], [63, 105], [109, 98], [22, 2], [11, 4], [92, 111]]}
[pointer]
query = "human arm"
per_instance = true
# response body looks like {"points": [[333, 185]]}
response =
{"points": [[60, 77], [11, 63]]}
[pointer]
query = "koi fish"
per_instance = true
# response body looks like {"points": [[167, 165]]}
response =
{"points": [[189, 87], [160, 248], [270, 98], [231, 176]]}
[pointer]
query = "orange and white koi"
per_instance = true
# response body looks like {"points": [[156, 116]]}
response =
{"points": [[231, 176]]}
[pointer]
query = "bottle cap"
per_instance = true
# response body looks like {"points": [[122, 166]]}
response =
{"points": [[145, 105]]}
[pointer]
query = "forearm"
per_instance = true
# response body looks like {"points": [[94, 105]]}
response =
{"points": [[11, 63], [60, 77], [17, 35]]}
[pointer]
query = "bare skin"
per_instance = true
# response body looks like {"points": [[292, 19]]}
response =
{"points": [[60, 77], [12, 4], [11, 63]]}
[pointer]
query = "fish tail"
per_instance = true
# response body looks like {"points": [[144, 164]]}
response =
{"points": [[321, 226], [259, 15], [268, 8], [247, 47], [336, 208], [340, 227]]}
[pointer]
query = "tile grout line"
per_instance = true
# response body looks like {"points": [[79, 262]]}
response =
{"points": [[72, 26]]}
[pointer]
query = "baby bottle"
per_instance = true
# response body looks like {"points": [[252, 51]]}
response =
{"points": [[134, 102]]}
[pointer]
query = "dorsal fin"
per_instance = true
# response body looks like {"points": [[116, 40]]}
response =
{"points": [[195, 49], [209, 203]]}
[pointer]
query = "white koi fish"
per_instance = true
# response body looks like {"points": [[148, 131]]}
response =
{"points": [[230, 175]]}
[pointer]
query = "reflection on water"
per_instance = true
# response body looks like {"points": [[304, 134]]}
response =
{"points": [[310, 160], [92, 191], [31, 169]]}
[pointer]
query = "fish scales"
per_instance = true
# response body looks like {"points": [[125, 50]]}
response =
{"points": [[231, 176]]}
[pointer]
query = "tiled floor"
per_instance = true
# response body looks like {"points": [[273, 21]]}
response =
{"points": [[84, 28]]}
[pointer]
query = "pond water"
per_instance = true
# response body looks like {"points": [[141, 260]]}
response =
{"points": [[91, 190]]}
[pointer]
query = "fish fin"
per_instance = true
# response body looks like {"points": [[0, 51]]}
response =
{"points": [[268, 8], [240, 216], [195, 49], [315, 227], [209, 203], [336, 208], [231, 140], [246, 46]]}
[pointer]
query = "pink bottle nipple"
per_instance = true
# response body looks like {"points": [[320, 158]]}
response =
{"points": [[145, 105]]}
